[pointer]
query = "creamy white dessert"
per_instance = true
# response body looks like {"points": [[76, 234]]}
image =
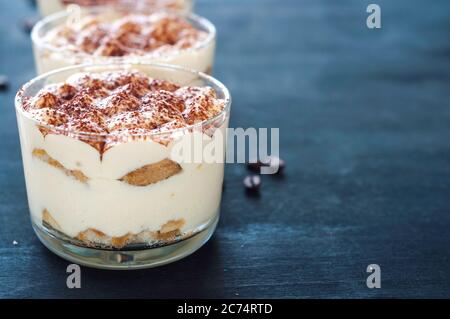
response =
{"points": [[47, 7], [98, 160], [105, 36]]}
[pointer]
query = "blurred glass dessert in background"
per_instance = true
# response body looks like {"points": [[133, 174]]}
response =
{"points": [[112, 35], [47, 7]]}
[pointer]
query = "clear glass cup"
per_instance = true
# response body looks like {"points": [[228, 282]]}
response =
{"points": [[48, 57], [47, 7], [83, 208]]}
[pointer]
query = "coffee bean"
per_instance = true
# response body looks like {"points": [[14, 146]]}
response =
{"points": [[4, 83], [255, 165], [252, 182], [275, 161], [28, 24]]}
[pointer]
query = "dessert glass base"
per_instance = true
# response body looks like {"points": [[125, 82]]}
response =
{"points": [[129, 257]]}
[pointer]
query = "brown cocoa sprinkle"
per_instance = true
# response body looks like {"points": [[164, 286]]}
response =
{"points": [[157, 85], [135, 89], [131, 34], [67, 91], [118, 103], [163, 101], [125, 102], [45, 99]]}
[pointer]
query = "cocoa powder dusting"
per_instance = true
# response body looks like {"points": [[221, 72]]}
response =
{"points": [[132, 34], [119, 104]]}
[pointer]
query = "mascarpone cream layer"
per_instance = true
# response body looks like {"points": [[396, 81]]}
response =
{"points": [[107, 204], [102, 199]]}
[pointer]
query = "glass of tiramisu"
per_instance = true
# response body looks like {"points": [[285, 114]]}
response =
{"points": [[105, 34], [123, 163], [47, 7]]}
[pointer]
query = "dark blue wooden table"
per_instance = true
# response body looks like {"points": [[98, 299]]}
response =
{"points": [[364, 119]]}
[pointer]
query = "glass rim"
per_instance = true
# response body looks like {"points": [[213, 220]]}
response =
{"points": [[18, 101], [40, 43]]}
